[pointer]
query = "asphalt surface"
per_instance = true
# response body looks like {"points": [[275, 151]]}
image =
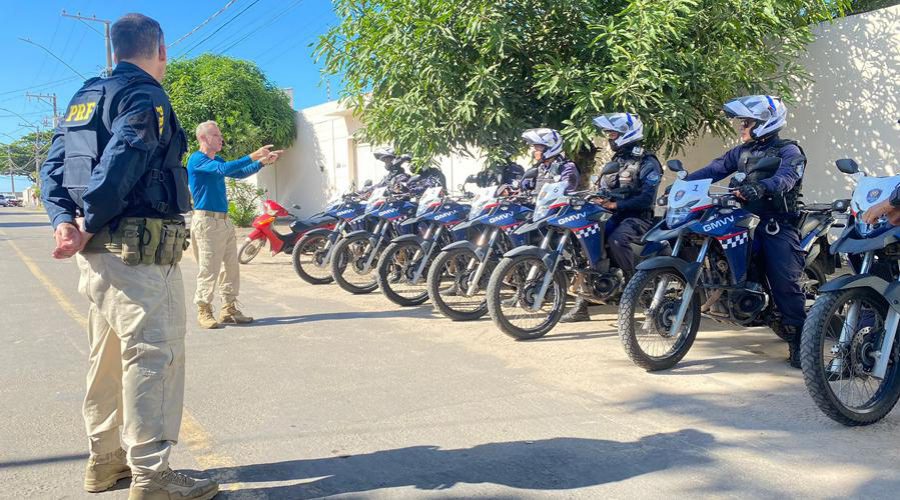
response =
{"points": [[351, 396]]}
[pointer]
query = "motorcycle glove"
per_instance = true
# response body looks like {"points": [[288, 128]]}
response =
{"points": [[753, 191]]}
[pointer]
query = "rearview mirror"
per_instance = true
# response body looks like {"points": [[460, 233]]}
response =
{"points": [[296, 206], [847, 166], [840, 205], [675, 165], [368, 183], [610, 168], [471, 179]]}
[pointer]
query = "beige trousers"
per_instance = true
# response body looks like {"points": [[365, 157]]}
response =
{"points": [[215, 250], [136, 327]]}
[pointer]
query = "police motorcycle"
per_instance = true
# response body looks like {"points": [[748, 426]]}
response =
{"points": [[403, 266], [708, 272], [355, 258], [458, 279], [526, 294], [849, 350], [312, 254]]}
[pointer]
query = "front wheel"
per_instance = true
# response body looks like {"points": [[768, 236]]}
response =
{"points": [[512, 297], [449, 280], [839, 348], [649, 306], [308, 258], [348, 265], [396, 267], [250, 249]]}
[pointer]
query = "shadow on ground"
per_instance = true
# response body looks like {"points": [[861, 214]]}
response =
{"points": [[422, 312], [549, 464]]}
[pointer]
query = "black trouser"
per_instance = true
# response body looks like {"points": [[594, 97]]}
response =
{"points": [[783, 260], [620, 235]]}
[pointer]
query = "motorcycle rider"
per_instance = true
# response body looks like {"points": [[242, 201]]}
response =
{"points": [[550, 161], [394, 166], [397, 175], [637, 180], [772, 194]]}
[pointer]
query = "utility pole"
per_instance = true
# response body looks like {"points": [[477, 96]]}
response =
{"points": [[9, 163], [106, 24], [49, 99], [37, 153]]}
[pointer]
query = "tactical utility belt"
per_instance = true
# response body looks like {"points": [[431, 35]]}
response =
{"points": [[143, 241]]}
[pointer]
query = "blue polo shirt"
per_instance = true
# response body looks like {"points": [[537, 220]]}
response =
{"points": [[207, 179]]}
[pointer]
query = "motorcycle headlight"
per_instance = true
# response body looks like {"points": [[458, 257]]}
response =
{"points": [[675, 216]]}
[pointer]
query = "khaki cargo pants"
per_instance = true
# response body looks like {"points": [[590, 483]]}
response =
{"points": [[214, 246], [136, 327]]}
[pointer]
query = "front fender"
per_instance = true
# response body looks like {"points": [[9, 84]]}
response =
{"points": [[889, 290], [529, 250], [256, 234], [409, 237], [690, 270], [475, 249], [319, 231], [358, 232]]}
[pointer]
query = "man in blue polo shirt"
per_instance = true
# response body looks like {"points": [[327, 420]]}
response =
{"points": [[212, 233]]}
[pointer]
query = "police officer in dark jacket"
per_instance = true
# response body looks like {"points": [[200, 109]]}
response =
{"points": [[550, 160], [115, 188], [635, 185], [773, 194]]}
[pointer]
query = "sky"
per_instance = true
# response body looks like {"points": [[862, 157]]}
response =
{"points": [[274, 34]]}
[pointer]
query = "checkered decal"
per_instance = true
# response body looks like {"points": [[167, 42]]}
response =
{"points": [[734, 240], [512, 227], [586, 231]]}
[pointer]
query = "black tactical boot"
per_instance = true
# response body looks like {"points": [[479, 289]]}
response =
{"points": [[579, 312], [792, 334]]}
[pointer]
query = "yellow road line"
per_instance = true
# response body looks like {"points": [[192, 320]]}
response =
{"points": [[196, 437]]}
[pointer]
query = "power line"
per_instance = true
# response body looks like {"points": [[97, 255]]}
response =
{"points": [[45, 49], [204, 23], [91, 27], [226, 23], [271, 20], [289, 47], [33, 87]]}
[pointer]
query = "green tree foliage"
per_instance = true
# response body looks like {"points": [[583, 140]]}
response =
{"points": [[243, 201], [250, 110], [860, 6], [436, 76], [17, 157]]}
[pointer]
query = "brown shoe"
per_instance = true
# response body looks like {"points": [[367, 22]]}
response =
{"points": [[231, 314], [103, 471], [205, 317], [171, 485]]}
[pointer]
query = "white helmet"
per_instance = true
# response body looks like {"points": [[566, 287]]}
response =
{"points": [[628, 126], [545, 137], [385, 152], [769, 112]]}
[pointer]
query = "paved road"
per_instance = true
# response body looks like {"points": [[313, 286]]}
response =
{"points": [[331, 394]]}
